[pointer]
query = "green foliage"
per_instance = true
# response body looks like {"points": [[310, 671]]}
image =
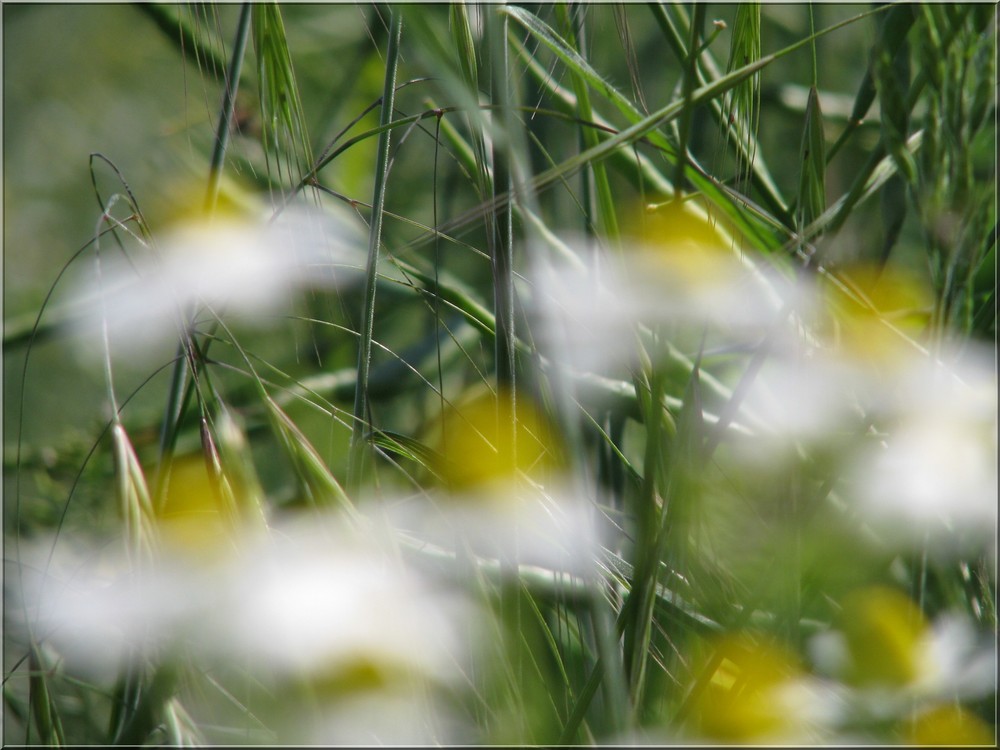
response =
{"points": [[585, 390]]}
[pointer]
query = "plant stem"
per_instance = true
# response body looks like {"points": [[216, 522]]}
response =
{"points": [[228, 107], [187, 352], [358, 452]]}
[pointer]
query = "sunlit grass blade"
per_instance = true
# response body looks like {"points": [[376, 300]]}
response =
{"points": [[321, 487], [284, 124], [744, 101], [134, 499], [237, 469], [427, 458]]}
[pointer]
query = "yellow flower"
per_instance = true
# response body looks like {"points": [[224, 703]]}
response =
{"points": [[889, 306], [951, 726], [684, 241], [191, 517], [884, 630], [483, 444], [759, 693]]}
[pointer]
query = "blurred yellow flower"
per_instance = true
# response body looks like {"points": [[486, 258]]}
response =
{"points": [[951, 726], [483, 442], [685, 241], [759, 693], [890, 305], [183, 202], [191, 516], [883, 628]]}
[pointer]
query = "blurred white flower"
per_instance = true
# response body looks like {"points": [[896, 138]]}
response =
{"points": [[957, 662], [934, 477], [892, 659], [247, 266], [802, 394], [682, 271], [551, 529], [304, 602]]}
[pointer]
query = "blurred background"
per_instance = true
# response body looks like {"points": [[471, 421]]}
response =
{"points": [[100, 100]]}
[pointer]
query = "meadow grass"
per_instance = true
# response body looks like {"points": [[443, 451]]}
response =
{"points": [[579, 388]]}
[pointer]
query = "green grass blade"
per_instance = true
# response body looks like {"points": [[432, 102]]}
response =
{"points": [[607, 220], [649, 126], [282, 115], [188, 39], [893, 30], [760, 177], [152, 704], [42, 705], [133, 494], [233, 73], [811, 200], [744, 101], [359, 452]]}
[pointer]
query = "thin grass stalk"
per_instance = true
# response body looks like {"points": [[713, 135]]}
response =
{"points": [[228, 107], [810, 204], [41, 704], [597, 196], [639, 627], [187, 356], [502, 232], [621, 625], [597, 172], [760, 178], [358, 451], [437, 283], [687, 114], [597, 193], [744, 103], [187, 38], [500, 237], [643, 126]]}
